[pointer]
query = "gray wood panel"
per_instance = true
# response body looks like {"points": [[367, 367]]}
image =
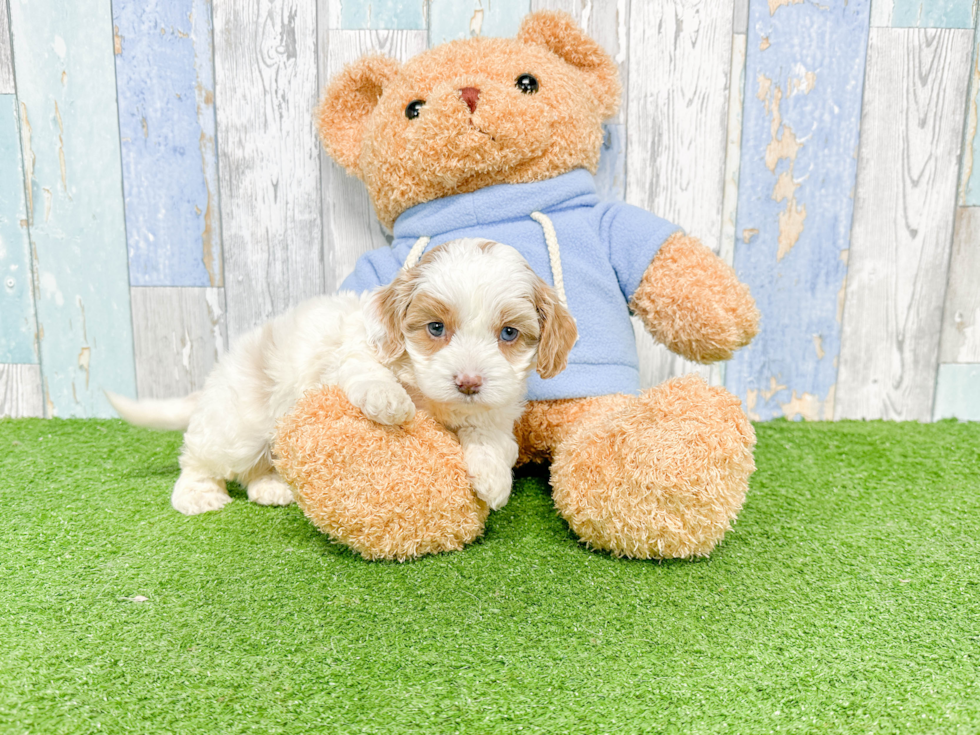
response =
{"points": [[912, 127], [20, 391], [608, 22], [179, 334], [350, 227], [677, 124], [740, 22], [269, 162], [6, 57], [961, 314]]}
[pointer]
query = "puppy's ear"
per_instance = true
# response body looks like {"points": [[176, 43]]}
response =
{"points": [[386, 315], [558, 331], [559, 33], [347, 104]]}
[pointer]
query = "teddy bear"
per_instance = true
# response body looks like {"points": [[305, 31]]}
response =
{"points": [[500, 138]]}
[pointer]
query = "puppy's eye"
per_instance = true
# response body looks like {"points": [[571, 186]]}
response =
{"points": [[436, 329], [508, 334], [527, 84], [413, 109]]}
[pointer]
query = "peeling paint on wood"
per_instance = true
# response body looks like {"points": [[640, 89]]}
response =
{"points": [[19, 325], [180, 335], [454, 19], [610, 178], [970, 167], [733, 152], [66, 86], [928, 14], [903, 222], [958, 393], [20, 391], [380, 14], [350, 227], [165, 84], [800, 130], [961, 313], [269, 164], [6, 57]]}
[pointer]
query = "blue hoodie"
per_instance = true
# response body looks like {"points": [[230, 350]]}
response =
{"points": [[605, 249]]}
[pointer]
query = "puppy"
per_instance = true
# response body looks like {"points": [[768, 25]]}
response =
{"points": [[457, 334]]}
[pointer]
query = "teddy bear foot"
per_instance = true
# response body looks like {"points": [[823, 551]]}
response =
{"points": [[387, 492], [662, 477]]}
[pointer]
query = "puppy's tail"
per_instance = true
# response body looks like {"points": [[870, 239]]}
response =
{"points": [[170, 414]]}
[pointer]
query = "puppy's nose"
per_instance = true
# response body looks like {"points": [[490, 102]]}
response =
{"points": [[468, 384], [470, 95]]}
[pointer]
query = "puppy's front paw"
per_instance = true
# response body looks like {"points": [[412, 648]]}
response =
{"points": [[269, 490], [384, 403], [491, 480], [194, 495]]}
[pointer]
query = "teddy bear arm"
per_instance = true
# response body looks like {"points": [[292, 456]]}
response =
{"points": [[691, 301]]}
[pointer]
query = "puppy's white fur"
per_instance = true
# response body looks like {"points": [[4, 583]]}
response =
{"points": [[379, 349]]}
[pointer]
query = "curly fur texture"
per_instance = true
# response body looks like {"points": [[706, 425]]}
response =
{"points": [[386, 492], [510, 137], [692, 302], [660, 477]]}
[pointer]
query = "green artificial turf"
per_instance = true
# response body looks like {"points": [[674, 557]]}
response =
{"points": [[847, 599]]}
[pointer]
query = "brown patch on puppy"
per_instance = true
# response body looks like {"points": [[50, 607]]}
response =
{"points": [[558, 331], [391, 305], [524, 318], [422, 311]]}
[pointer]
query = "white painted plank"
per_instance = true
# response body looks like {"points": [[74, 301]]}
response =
{"points": [[961, 313], [677, 123], [912, 124], [350, 227], [6, 57], [740, 23], [179, 335], [733, 152], [269, 164], [608, 22], [20, 391], [958, 393]]}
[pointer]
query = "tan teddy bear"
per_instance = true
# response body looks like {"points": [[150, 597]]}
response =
{"points": [[496, 138]]}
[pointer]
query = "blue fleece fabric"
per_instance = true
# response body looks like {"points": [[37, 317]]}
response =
{"points": [[605, 249]]}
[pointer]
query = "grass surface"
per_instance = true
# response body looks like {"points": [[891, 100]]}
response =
{"points": [[847, 599]]}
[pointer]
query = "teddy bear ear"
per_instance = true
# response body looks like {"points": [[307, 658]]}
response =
{"points": [[348, 102], [559, 33]]}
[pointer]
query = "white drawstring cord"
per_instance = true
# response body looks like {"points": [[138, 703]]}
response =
{"points": [[550, 237]]}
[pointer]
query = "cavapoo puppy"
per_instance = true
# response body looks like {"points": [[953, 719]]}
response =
{"points": [[457, 334]]}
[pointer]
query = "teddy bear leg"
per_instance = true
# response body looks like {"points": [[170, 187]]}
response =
{"points": [[661, 477], [387, 492]]}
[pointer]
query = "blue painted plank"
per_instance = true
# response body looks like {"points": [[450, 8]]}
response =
{"points": [[18, 326], [70, 131], [165, 87], [382, 14], [932, 14], [958, 393], [450, 20], [610, 178], [801, 121], [970, 170]]}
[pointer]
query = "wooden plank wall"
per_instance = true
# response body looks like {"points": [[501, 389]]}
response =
{"points": [[162, 189]]}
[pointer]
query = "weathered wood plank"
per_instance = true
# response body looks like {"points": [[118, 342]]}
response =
{"points": [[179, 336], [924, 13], [970, 166], [961, 313], [801, 120], [453, 19], [165, 86], [741, 20], [356, 15], [677, 132], [733, 152], [607, 21], [20, 391], [269, 165], [903, 222], [350, 227], [958, 393], [70, 138], [18, 328], [6, 57], [610, 177]]}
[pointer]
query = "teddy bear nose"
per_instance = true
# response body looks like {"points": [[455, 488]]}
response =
{"points": [[470, 95], [468, 384]]}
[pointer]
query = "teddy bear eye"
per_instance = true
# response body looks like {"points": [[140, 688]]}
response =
{"points": [[527, 84], [412, 111]]}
